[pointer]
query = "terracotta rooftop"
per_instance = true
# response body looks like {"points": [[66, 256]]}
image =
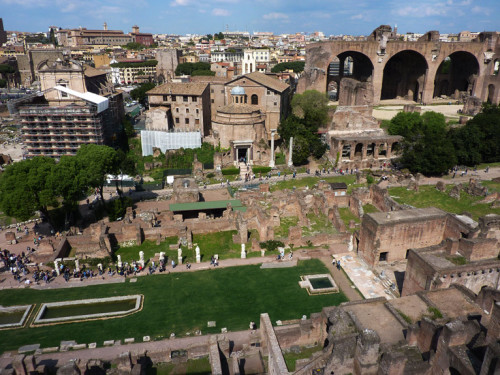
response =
{"points": [[92, 72], [238, 109], [179, 89], [205, 79], [267, 81]]}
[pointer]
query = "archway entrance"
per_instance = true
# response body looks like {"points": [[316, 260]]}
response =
{"points": [[455, 75], [404, 76], [350, 64]]}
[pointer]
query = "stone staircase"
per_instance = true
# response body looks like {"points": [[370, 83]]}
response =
{"points": [[244, 169]]}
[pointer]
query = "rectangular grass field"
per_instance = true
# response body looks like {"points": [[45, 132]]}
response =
{"points": [[179, 303]]}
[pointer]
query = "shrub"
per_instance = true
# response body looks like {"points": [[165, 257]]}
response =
{"points": [[271, 245], [435, 313], [259, 169], [118, 207], [230, 171], [210, 175], [369, 179]]}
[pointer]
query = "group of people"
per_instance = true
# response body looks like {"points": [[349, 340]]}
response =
{"points": [[16, 264]]}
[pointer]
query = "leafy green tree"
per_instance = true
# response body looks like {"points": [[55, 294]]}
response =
{"points": [[189, 68], [488, 122], [312, 108], [139, 93], [296, 66], [301, 150], [98, 162], [3, 83], [26, 187], [426, 146]]}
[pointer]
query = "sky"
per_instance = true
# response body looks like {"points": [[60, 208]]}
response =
{"points": [[333, 17]]}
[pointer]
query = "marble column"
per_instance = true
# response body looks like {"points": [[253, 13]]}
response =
{"points": [[290, 162], [271, 162]]}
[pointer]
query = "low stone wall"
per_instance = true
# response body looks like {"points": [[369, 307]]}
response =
{"points": [[306, 332], [271, 347]]}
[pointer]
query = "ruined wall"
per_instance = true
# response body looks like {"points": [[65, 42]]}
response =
{"points": [[418, 274], [380, 198], [271, 347], [305, 332], [396, 237]]}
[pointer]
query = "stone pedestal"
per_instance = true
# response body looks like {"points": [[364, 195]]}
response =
{"points": [[162, 256], [141, 258], [120, 264], [243, 251], [198, 256], [290, 161], [179, 256], [56, 266], [77, 265], [263, 253]]}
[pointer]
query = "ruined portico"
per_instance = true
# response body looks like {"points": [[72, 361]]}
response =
{"points": [[409, 70]]}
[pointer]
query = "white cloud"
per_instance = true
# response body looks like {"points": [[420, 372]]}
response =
{"points": [[220, 12], [180, 3], [357, 17], [275, 16], [480, 10]]}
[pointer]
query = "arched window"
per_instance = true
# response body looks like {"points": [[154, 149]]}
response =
{"points": [[255, 99]]}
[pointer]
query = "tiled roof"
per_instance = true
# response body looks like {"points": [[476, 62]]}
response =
{"points": [[179, 89], [267, 81]]}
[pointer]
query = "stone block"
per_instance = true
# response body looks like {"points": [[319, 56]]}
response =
{"points": [[109, 343], [223, 330], [79, 346], [146, 338], [28, 348], [130, 340], [211, 323], [92, 345], [52, 349]]}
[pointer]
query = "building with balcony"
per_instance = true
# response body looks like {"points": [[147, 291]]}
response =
{"points": [[78, 106]]}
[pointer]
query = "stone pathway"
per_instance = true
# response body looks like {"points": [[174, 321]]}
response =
{"points": [[341, 280]]}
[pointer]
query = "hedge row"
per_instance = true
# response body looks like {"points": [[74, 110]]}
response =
{"points": [[230, 171]]}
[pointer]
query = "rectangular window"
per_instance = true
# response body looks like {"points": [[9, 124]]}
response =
{"points": [[211, 91], [187, 110], [177, 110], [194, 99], [186, 121], [197, 121], [197, 111], [212, 101], [185, 99], [165, 98], [177, 120], [173, 98], [269, 92]]}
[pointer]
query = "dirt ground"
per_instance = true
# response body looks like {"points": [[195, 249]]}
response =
{"points": [[388, 112]]}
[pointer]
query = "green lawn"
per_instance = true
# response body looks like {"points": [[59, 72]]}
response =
{"points": [[318, 224], [346, 215], [220, 243], [291, 357], [290, 183], [369, 208], [131, 253], [179, 303], [284, 229], [428, 196]]}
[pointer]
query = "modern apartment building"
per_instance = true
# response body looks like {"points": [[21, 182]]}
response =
{"points": [[78, 107]]}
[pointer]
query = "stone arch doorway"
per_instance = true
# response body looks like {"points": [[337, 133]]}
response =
{"points": [[491, 94], [456, 74], [404, 75], [358, 151], [496, 67], [350, 64]]}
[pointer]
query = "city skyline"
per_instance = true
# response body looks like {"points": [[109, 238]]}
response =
{"points": [[277, 16]]}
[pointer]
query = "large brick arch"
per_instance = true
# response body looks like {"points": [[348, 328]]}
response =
{"points": [[319, 55], [404, 75]]}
